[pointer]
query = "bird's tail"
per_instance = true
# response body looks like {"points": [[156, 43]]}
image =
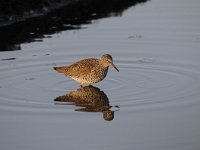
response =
{"points": [[60, 69]]}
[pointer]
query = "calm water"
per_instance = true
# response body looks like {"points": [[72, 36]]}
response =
{"points": [[155, 98]]}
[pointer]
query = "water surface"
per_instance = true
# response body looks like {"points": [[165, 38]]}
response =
{"points": [[154, 97]]}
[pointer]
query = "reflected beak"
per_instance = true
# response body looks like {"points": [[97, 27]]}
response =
{"points": [[115, 67]]}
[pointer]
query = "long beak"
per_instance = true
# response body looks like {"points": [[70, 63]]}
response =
{"points": [[115, 67]]}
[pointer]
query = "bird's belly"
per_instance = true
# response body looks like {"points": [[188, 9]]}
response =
{"points": [[92, 77]]}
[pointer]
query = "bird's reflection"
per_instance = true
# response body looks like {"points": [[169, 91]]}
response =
{"points": [[90, 99]]}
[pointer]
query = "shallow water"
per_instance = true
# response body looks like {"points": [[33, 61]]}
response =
{"points": [[154, 98]]}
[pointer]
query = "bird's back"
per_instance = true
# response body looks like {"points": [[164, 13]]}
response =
{"points": [[79, 68]]}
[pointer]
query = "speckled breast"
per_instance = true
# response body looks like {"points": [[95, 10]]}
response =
{"points": [[94, 76]]}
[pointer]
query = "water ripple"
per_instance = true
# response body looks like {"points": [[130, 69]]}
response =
{"points": [[141, 82], [150, 82]]}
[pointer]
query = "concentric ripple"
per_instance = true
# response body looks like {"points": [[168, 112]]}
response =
{"points": [[150, 83], [140, 82]]}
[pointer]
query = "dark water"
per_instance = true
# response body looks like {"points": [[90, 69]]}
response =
{"points": [[153, 102], [68, 17]]}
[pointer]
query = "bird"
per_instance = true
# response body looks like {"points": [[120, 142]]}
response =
{"points": [[88, 71]]}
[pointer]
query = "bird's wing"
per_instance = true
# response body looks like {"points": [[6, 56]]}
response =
{"points": [[82, 67]]}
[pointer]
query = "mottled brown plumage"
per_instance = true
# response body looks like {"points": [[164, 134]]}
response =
{"points": [[88, 71]]}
